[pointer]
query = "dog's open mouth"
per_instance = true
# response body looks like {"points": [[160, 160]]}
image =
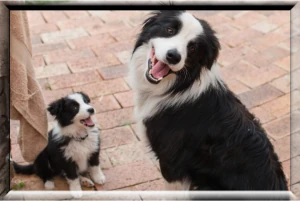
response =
{"points": [[88, 122], [157, 70]]}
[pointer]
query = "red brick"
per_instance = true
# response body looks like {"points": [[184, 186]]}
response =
{"points": [[119, 16], [156, 185], [45, 48], [263, 115], [247, 73], [44, 84], [115, 118], [295, 167], [35, 40], [106, 28], [279, 128], [103, 87], [124, 56], [50, 96], [128, 175], [67, 55], [286, 44], [284, 63], [223, 30], [54, 16], [76, 79], [104, 160], [280, 17], [266, 41], [282, 83], [52, 70], [236, 86], [116, 137], [125, 154], [264, 26], [38, 61], [125, 98], [16, 153], [259, 95], [279, 106], [239, 38], [90, 41], [230, 56], [104, 60], [113, 71], [105, 103], [127, 34], [31, 182], [247, 19], [43, 28], [82, 22], [282, 148], [75, 14], [61, 36], [114, 47], [35, 18]]}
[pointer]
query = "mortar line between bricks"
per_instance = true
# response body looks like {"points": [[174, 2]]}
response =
{"points": [[135, 134], [137, 184]]}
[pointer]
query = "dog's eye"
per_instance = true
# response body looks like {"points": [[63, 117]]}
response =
{"points": [[75, 107], [192, 48], [170, 31]]}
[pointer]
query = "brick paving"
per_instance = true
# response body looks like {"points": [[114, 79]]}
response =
{"points": [[89, 51]]}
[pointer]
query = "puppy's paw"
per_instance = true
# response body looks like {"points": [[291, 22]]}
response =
{"points": [[86, 182], [100, 179], [76, 194], [49, 185]]}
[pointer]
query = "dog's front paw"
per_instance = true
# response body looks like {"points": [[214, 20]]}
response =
{"points": [[100, 180], [76, 194], [86, 182]]}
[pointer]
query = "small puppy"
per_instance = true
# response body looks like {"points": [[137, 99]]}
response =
{"points": [[73, 145]]}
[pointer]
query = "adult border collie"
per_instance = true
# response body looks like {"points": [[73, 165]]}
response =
{"points": [[73, 145], [202, 135]]}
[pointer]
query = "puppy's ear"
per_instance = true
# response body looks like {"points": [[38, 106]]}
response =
{"points": [[56, 107], [86, 98]]}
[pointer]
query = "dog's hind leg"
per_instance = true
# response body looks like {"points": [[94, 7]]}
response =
{"points": [[95, 169]]}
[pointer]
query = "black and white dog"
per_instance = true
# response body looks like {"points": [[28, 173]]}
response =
{"points": [[202, 135], [73, 145]]}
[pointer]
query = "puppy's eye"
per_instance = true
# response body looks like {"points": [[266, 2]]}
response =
{"points": [[75, 107], [170, 31], [192, 48]]}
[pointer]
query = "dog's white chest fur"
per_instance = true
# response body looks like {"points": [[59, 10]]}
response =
{"points": [[80, 151]]}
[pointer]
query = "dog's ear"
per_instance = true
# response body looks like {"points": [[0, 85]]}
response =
{"points": [[56, 107], [86, 98], [212, 44]]}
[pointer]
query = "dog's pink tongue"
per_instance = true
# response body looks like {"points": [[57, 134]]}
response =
{"points": [[159, 70], [89, 121]]}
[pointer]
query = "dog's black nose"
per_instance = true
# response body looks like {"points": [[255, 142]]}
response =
{"points": [[173, 56], [91, 110]]}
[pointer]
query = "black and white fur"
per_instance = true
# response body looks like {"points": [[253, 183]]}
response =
{"points": [[73, 146], [202, 135]]}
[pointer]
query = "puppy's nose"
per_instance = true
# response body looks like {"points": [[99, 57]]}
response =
{"points": [[173, 56], [91, 110]]}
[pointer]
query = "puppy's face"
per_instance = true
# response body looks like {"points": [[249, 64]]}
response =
{"points": [[73, 109], [177, 46]]}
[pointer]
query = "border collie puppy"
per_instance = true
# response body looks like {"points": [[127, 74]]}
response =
{"points": [[202, 135], [73, 145]]}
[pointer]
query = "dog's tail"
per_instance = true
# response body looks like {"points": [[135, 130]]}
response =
{"points": [[23, 169]]}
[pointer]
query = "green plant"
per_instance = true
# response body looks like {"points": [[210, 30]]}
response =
{"points": [[19, 186]]}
